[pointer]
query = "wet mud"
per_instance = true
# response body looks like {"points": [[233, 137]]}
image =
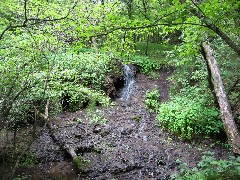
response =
{"points": [[131, 145]]}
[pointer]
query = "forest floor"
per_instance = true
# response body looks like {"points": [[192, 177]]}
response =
{"points": [[131, 145]]}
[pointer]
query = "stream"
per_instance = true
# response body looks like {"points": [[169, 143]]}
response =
{"points": [[128, 82]]}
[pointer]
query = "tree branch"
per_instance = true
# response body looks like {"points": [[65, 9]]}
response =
{"points": [[195, 4], [37, 20], [142, 27], [234, 85], [210, 25]]}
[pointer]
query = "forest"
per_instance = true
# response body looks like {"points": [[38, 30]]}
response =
{"points": [[119, 89]]}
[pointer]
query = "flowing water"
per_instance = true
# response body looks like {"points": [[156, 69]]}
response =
{"points": [[128, 82]]}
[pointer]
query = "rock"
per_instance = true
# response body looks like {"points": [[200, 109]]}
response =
{"points": [[97, 128], [135, 69], [106, 130]]}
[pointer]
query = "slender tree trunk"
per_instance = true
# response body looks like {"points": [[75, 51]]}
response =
{"points": [[146, 48], [226, 114], [95, 45]]}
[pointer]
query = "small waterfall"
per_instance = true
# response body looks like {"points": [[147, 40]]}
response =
{"points": [[128, 82]]}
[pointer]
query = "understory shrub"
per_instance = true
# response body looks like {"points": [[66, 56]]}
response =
{"points": [[210, 168], [151, 100], [190, 114], [78, 78], [86, 97], [145, 63]]}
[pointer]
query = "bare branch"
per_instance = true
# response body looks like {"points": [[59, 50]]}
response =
{"points": [[10, 27]]}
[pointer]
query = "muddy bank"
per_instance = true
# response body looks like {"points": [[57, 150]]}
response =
{"points": [[129, 146]]}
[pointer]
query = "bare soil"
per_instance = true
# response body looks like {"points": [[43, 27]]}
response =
{"points": [[131, 145]]}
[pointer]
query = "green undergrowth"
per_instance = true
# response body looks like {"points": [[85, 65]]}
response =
{"points": [[151, 100], [94, 116], [189, 115], [155, 51], [81, 162], [210, 168], [146, 64], [68, 79], [27, 159], [190, 111], [151, 63], [83, 77]]}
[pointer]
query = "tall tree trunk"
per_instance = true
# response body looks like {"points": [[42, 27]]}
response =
{"points": [[226, 114]]}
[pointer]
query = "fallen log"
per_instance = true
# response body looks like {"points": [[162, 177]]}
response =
{"points": [[78, 160], [225, 109]]}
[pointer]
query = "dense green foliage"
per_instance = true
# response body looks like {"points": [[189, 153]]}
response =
{"points": [[60, 53], [152, 100], [151, 63], [192, 110], [81, 77], [37, 34], [188, 115], [146, 64], [210, 168]]}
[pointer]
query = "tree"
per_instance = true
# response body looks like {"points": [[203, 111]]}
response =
{"points": [[225, 109], [198, 21], [206, 14], [33, 34]]}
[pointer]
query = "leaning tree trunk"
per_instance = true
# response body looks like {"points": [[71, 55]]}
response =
{"points": [[201, 16], [225, 38], [226, 114]]}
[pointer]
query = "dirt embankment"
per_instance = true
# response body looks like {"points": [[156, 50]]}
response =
{"points": [[129, 146]]}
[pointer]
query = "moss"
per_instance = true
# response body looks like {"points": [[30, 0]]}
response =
{"points": [[81, 162], [137, 118], [28, 159]]}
